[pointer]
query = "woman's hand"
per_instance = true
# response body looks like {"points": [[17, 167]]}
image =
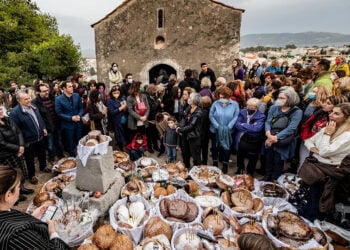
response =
{"points": [[314, 150], [330, 128], [51, 224], [143, 118], [39, 212]]}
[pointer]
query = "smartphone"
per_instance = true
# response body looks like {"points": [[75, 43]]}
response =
{"points": [[49, 213]]}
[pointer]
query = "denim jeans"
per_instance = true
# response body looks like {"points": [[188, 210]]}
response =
{"points": [[171, 152], [136, 154], [54, 144]]}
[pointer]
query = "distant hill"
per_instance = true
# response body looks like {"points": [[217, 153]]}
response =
{"points": [[298, 39]]}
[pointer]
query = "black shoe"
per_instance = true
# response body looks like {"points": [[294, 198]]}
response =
{"points": [[160, 154], [151, 151], [26, 190]]}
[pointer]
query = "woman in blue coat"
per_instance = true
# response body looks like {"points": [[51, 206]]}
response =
{"points": [[223, 115], [117, 109], [249, 135]]}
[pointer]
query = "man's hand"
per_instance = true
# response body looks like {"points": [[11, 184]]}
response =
{"points": [[75, 118], [45, 132]]}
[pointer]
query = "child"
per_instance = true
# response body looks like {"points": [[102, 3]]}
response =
{"points": [[171, 139], [137, 147]]}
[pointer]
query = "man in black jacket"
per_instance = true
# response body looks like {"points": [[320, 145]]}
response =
{"points": [[46, 106], [208, 72]]}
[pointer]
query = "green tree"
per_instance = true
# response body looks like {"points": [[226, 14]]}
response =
{"points": [[31, 45]]}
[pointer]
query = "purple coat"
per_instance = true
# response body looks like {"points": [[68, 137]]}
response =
{"points": [[255, 127], [205, 92]]}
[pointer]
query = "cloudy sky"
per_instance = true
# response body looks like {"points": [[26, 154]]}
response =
{"points": [[261, 16]]}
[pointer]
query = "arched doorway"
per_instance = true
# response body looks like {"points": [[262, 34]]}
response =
{"points": [[158, 70]]}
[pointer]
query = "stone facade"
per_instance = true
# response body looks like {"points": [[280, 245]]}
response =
{"points": [[194, 31]]}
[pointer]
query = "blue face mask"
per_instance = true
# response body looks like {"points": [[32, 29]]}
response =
{"points": [[223, 101], [311, 96]]}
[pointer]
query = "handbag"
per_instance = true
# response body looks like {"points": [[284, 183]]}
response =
{"points": [[141, 107], [309, 172], [279, 123]]}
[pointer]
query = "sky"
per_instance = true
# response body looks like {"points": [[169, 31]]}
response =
{"points": [[261, 16]]}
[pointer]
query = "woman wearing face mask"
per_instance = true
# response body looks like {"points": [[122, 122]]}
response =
{"points": [[118, 112], [115, 76], [315, 98], [138, 110], [249, 132], [281, 126], [223, 115]]}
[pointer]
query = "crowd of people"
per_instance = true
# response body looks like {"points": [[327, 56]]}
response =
{"points": [[270, 114]]}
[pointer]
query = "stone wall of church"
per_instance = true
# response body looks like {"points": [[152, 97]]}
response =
{"points": [[194, 31]]}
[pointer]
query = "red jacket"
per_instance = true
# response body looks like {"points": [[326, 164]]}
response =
{"points": [[135, 146]]}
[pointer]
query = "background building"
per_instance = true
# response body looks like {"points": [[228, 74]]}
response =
{"points": [[144, 36]]}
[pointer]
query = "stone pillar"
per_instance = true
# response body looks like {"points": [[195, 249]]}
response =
{"points": [[98, 174]]}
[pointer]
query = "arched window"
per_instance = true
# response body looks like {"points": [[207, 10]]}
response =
{"points": [[160, 17], [159, 43]]}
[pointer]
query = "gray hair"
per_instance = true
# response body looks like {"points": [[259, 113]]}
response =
{"points": [[253, 102], [293, 97], [205, 82], [196, 99], [221, 79]]}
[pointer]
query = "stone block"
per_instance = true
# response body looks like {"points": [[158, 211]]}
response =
{"points": [[103, 203], [98, 174]]}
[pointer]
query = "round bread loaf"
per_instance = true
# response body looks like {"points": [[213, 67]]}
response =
{"points": [[40, 198], [163, 207], [156, 226], [122, 242], [192, 212], [177, 208], [104, 236], [66, 165], [94, 134], [91, 143]]}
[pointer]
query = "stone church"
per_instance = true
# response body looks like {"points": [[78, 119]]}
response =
{"points": [[145, 36]]}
